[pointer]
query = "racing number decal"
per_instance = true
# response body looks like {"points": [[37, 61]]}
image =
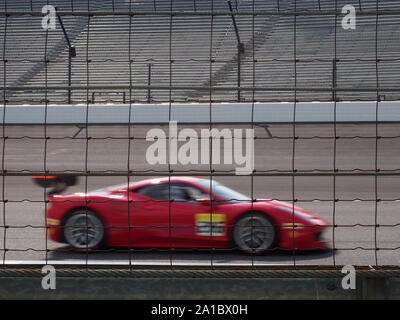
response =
{"points": [[210, 224]]}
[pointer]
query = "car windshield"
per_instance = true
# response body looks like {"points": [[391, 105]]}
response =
{"points": [[224, 192]]}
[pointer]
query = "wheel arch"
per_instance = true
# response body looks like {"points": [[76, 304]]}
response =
{"points": [[77, 209], [266, 214]]}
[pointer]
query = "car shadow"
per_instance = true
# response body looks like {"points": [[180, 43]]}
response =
{"points": [[160, 256]]}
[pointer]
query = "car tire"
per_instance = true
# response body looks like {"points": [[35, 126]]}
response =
{"points": [[83, 230], [254, 233]]}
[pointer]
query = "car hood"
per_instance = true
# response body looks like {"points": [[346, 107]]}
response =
{"points": [[288, 207]]}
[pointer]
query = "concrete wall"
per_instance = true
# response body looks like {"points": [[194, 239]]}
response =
{"points": [[200, 113]]}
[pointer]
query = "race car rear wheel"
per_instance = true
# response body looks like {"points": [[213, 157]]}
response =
{"points": [[254, 233], [84, 230]]}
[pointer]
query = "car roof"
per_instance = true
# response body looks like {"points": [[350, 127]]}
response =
{"points": [[145, 182], [166, 179]]}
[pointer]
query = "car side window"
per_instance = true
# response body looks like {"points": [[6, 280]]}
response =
{"points": [[155, 191], [188, 193], [193, 193], [177, 191]]}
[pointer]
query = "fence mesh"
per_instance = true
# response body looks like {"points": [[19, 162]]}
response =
{"points": [[201, 59]]}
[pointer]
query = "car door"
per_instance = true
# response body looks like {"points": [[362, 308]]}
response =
{"points": [[165, 215], [191, 219]]}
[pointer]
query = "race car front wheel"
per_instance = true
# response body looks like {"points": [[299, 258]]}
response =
{"points": [[84, 230], [254, 233]]}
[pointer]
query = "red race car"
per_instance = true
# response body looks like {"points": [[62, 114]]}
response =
{"points": [[180, 212]]}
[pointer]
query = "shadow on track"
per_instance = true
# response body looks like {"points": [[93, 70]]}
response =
{"points": [[164, 256]]}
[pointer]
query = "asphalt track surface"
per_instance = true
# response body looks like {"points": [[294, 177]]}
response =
{"points": [[22, 216]]}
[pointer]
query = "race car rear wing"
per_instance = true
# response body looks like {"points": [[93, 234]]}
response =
{"points": [[58, 184]]}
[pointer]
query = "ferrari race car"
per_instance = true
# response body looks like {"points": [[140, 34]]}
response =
{"points": [[180, 212]]}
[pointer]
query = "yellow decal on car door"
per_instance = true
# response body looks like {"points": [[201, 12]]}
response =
{"points": [[210, 224]]}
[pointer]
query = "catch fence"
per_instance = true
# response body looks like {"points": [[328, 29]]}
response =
{"points": [[339, 59]]}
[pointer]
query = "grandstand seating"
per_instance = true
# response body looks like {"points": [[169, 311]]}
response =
{"points": [[117, 50]]}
